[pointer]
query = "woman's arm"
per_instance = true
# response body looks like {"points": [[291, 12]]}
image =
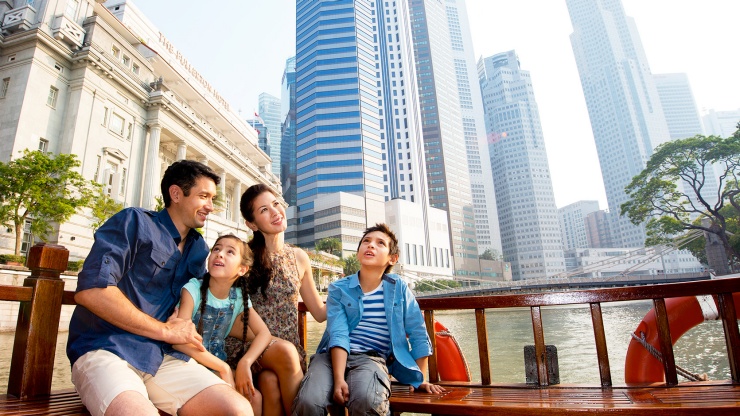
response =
{"points": [[262, 338], [308, 291]]}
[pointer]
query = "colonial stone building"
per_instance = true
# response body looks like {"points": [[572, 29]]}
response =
{"points": [[101, 82]]}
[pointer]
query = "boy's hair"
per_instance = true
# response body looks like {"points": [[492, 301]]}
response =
{"points": [[184, 173], [247, 260], [392, 246]]}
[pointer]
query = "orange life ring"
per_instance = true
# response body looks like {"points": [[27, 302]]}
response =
{"points": [[684, 313], [451, 363]]}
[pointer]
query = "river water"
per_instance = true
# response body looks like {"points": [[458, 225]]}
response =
{"points": [[701, 350]]}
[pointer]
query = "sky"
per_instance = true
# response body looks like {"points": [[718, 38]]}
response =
{"points": [[240, 47]]}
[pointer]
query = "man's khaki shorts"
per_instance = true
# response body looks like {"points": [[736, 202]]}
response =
{"points": [[99, 376]]}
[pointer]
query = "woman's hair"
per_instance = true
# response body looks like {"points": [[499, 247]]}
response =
{"points": [[260, 274], [247, 260]]}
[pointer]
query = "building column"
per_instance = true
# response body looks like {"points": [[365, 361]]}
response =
{"points": [[222, 194], [182, 150], [151, 167], [203, 160], [236, 196]]}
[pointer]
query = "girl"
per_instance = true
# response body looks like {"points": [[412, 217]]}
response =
{"points": [[279, 275], [214, 304]]}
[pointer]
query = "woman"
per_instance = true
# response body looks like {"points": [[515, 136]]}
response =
{"points": [[279, 274]]}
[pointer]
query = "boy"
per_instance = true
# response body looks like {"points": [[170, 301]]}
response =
{"points": [[370, 314]]}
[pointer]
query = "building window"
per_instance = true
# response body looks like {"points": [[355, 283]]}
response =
{"points": [[111, 178], [122, 190], [126, 61], [4, 87], [43, 145], [97, 169], [71, 10], [27, 240], [115, 51], [51, 100], [105, 116], [116, 124], [135, 69]]}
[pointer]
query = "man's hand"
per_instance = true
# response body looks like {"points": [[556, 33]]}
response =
{"points": [[429, 388], [182, 331], [341, 392]]}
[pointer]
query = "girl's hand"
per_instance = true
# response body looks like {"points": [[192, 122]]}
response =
{"points": [[244, 384], [227, 375], [429, 388]]}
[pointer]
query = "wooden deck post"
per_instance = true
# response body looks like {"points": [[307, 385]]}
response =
{"points": [[38, 323]]}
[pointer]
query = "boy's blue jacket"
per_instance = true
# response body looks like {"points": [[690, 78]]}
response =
{"points": [[344, 310]]}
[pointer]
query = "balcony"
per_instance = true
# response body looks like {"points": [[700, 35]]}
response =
{"points": [[19, 19], [68, 31]]}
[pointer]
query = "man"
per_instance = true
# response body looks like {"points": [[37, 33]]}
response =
{"points": [[120, 336]]}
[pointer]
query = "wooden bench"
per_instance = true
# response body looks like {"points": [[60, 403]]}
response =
{"points": [[668, 398], [41, 298]]}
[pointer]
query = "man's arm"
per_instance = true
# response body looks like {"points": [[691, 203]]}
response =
{"points": [[112, 254], [111, 305]]}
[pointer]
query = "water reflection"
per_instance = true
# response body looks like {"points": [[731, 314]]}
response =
{"points": [[701, 350]]}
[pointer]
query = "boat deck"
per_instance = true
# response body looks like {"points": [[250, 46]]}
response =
{"points": [[721, 399]]}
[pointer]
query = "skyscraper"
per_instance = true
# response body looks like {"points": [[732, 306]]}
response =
{"points": [[530, 233], [626, 115], [679, 107], [487, 230], [269, 111], [573, 223], [721, 123], [683, 121], [358, 129], [287, 132], [442, 129]]}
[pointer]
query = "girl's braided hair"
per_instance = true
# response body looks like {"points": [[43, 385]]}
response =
{"points": [[241, 281]]}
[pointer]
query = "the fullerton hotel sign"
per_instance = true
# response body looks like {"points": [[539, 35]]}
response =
{"points": [[180, 58]]}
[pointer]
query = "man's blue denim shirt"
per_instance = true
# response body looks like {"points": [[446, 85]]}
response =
{"points": [[135, 250], [409, 338]]}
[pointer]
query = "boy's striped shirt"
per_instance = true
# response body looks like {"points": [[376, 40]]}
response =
{"points": [[372, 333]]}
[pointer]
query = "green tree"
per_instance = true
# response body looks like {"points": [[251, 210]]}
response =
{"points": [[490, 254], [103, 207], [351, 264], [158, 203], [42, 188], [671, 190], [330, 245], [694, 241]]}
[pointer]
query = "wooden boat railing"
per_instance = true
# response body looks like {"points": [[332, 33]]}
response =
{"points": [[485, 397], [42, 296]]}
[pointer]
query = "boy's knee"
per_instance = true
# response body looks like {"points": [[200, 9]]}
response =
{"points": [[306, 405]]}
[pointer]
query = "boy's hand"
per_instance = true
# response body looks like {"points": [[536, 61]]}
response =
{"points": [[429, 388], [341, 392]]}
